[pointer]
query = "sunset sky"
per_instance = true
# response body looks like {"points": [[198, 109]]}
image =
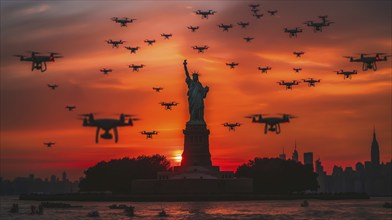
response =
{"points": [[335, 118]]}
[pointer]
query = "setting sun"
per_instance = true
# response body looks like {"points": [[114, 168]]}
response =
{"points": [[178, 158]]}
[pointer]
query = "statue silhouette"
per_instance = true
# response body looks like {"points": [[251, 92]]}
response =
{"points": [[196, 95]]}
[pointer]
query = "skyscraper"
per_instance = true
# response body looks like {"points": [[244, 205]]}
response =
{"points": [[375, 151], [294, 157], [308, 159], [283, 155]]}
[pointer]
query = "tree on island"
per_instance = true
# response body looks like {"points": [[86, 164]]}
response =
{"points": [[276, 176], [117, 174]]}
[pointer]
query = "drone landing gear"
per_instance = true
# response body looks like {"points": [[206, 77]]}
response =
{"points": [[278, 129]]}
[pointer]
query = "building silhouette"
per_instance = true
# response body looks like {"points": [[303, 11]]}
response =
{"points": [[375, 150], [294, 157], [371, 177], [282, 156], [31, 184], [308, 159]]}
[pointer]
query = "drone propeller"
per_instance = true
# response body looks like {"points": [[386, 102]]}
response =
{"points": [[114, 18], [288, 115], [347, 56], [126, 115], [18, 55]]}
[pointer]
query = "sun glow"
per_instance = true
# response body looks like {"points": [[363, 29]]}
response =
{"points": [[178, 158]]}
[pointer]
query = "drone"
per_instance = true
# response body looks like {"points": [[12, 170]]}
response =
{"points": [[299, 53], [136, 67], [311, 82], [318, 26], [231, 125], [271, 123], [254, 6], [293, 32], [49, 144], [39, 62], [205, 14], [166, 36], [193, 28], [346, 74], [149, 134], [149, 42], [157, 89], [115, 43], [70, 107], [297, 69], [123, 21], [168, 105], [258, 16], [369, 62], [289, 85], [105, 71], [248, 39], [232, 65], [264, 69], [107, 124], [243, 24], [273, 12], [53, 87], [254, 10], [200, 48], [225, 27], [132, 49]]}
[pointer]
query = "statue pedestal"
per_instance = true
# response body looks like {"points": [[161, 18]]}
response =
{"points": [[196, 146]]}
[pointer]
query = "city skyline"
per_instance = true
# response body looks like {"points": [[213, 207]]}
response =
{"points": [[335, 118]]}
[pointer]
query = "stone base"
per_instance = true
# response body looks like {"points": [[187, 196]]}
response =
{"points": [[196, 146]]}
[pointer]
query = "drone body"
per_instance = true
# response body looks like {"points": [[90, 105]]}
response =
{"points": [[115, 43], [346, 74], [168, 105], [264, 69], [123, 21], [205, 14], [132, 49], [49, 144], [107, 124], [369, 62], [200, 49], [293, 32], [105, 71], [38, 62], [53, 86], [136, 67], [231, 126], [232, 65], [272, 124], [70, 107], [289, 84], [149, 134], [311, 82]]}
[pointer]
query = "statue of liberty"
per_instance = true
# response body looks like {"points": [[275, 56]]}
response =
{"points": [[196, 94]]}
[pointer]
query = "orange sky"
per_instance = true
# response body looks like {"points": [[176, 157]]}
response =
{"points": [[336, 117]]}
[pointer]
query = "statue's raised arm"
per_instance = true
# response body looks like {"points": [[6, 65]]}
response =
{"points": [[186, 70]]}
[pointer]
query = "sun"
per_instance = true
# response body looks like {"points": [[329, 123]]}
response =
{"points": [[178, 158]]}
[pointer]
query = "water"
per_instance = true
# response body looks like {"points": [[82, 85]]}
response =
{"points": [[338, 209]]}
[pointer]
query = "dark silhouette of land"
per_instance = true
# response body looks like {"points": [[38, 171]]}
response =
{"points": [[276, 176], [117, 175]]}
